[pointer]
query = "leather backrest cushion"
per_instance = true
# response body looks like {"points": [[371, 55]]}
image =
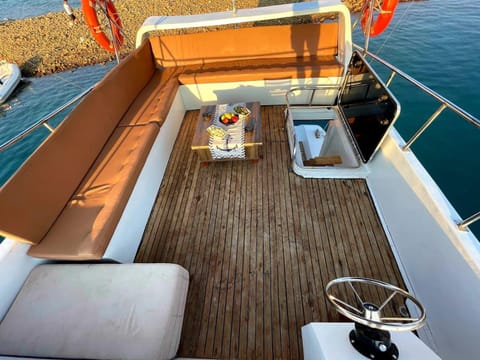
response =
{"points": [[35, 195], [246, 43]]}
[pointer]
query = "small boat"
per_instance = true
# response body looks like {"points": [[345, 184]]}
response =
{"points": [[10, 76]]}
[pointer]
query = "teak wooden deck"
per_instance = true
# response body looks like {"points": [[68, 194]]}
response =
{"points": [[260, 244]]}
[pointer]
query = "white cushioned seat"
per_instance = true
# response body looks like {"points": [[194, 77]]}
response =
{"points": [[97, 311]]}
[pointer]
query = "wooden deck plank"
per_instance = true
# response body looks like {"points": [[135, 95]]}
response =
{"points": [[285, 276], [351, 239], [324, 248], [314, 263], [271, 339], [294, 283], [280, 254], [260, 244], [209, 319], [245, 311], [199, 264], [232, 240]]}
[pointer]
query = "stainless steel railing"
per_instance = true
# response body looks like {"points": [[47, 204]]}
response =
{"points": [[313, 90], [43, 121], [444, 104], [443, 101]]}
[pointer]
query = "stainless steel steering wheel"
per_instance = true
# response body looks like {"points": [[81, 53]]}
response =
{"points": [[370, 314]]}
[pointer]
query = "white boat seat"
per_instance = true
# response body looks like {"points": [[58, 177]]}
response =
{"points": [[98, 311]]}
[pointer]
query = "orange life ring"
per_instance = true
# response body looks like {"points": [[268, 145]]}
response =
{"points": [[383, 19], [88, 7]]}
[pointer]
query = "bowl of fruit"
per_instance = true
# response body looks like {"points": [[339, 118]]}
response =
{"points": [[228, 118], [242, 111]]}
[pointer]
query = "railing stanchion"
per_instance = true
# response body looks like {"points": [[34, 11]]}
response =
{"points": [[312, 97], [390, 78], [424, 127], [468, 221], [51, 129]]}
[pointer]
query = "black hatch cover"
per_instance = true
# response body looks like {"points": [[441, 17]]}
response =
{"points": [[368, 107]]}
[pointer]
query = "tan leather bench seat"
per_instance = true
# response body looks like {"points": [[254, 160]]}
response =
{"points": [[260, 42], [32, 200], [246, 54], [86, 170], [263, 69], [86, 224]]}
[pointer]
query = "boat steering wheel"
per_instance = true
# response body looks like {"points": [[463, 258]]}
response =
{"points": [[370, 314]]}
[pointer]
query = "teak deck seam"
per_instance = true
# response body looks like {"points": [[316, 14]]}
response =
{"points": [[260, 244]]}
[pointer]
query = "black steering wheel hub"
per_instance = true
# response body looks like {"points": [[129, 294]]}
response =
{"points": [[373, 343]]}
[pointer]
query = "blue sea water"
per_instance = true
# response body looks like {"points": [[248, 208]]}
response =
{"points": [[435, 41], [17, 9]]}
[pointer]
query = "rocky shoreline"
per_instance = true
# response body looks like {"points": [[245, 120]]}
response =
{"points": [[51, 43]]}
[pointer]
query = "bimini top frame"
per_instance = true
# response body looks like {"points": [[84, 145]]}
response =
{"points": [[162, 23]]}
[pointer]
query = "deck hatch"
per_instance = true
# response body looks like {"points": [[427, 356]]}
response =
{"points": [[368, 108]]}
